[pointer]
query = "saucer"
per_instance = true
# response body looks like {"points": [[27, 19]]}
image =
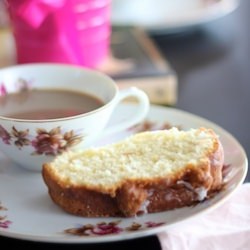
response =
{"points": [[27, 212]]}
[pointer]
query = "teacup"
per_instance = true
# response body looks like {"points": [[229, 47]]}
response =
{"points": [[47, 109]]}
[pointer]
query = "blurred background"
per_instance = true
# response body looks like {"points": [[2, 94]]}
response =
{"points": [[193, 55]]}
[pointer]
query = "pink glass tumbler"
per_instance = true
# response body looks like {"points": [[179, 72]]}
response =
{"points": [[62, 31]]}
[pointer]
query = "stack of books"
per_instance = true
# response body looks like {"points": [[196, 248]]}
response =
{"points": [[135, 60]]}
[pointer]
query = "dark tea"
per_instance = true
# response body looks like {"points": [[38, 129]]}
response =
{"points": [[39, 104]]}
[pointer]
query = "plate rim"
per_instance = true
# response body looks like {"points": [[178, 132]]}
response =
{"points": [[151, 231]]}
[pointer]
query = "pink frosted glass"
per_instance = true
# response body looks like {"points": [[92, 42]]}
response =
{"points": [[65, 31]]}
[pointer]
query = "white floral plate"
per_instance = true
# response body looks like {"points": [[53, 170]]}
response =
{"points": [[27, 212]]}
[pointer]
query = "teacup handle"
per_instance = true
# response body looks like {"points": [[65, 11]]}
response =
{"points": [[141, 110]]}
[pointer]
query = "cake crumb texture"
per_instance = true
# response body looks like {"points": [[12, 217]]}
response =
{"points": [[146, 172]]}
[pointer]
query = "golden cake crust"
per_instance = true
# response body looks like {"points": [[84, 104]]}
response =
{"points": [[184, 187]]}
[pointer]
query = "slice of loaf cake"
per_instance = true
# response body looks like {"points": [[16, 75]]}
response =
{"points": [[146, 172]]}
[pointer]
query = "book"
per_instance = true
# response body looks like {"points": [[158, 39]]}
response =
{"points": [[135, 60]]}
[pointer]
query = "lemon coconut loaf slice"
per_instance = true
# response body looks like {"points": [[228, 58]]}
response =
{"points": [[145, 173]]}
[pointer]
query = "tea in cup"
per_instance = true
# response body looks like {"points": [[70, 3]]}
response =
{"points": [[47, 109]]}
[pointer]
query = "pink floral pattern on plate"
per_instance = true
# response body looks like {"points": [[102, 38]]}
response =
{"points": [[151, 126], [4, 222], [107, 228]]}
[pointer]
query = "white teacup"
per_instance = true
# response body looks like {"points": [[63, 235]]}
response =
{"points": [[36, 124]]}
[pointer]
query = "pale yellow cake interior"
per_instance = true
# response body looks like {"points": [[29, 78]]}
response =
{"points": [[145, 155]]}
